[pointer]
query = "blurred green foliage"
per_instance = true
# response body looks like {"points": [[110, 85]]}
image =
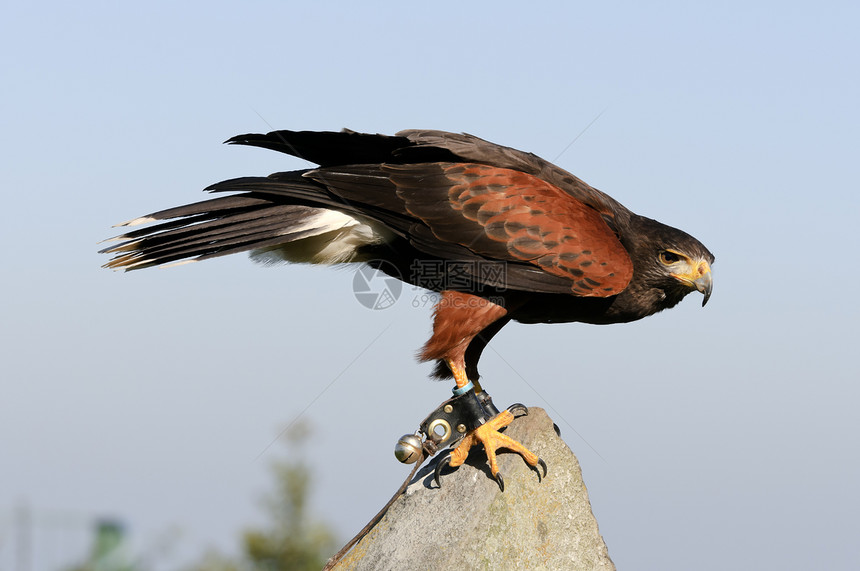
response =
{"points": [[109, 551], [291, 540]]}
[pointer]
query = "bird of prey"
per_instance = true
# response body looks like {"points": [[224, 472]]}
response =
{"points": [[501, 234]]}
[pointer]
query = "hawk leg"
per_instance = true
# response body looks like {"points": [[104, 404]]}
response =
{"points": [[489, 434]]}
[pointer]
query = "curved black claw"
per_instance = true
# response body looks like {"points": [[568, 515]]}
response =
{"points": [[444, 460], [500, 480], [518, 407], [542, 464]]}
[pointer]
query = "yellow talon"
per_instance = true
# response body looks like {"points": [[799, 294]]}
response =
{"points": [[488, 434]]}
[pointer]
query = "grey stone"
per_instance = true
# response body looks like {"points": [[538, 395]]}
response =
{"points": [[469, 523]]}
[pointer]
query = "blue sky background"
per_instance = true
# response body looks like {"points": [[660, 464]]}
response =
{"points": [[716, 438]]}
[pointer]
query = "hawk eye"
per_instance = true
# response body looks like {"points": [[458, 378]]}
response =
{"points": [[668, 257]]}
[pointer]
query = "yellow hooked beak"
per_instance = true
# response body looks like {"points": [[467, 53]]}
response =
{"points": [[698, 275]]}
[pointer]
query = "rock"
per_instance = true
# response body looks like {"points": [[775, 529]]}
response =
{"points": [[470, 524]]}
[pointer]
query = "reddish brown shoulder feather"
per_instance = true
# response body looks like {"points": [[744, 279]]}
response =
{"points": [[510, 215]]}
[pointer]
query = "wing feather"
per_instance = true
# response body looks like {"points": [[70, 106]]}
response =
{"points": [[514, 216]]}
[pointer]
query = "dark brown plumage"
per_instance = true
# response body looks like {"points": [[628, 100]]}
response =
{"points": [[518, 238]]}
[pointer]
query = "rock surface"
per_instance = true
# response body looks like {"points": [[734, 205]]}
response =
{"points": [[470, 524]]}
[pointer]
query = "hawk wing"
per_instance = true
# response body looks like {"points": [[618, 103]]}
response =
{"points": [[551, 241], [453, 197]]}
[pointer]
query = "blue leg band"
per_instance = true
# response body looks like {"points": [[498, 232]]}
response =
{"points": [[462, 390]]}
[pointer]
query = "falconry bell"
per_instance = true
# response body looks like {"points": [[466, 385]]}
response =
{"points": [[408, 448]]}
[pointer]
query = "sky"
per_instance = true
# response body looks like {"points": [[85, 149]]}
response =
{"points": [[711, 438]]}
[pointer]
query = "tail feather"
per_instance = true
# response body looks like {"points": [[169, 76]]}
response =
{"points": [[207, 207], [221, 231], [204, 227], [176, 228], [206, 239]]}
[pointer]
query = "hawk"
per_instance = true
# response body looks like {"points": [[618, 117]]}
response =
{"points": [[509, 236]]}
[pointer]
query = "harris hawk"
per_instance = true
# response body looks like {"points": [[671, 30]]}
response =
{"points": [[513, 236]]}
